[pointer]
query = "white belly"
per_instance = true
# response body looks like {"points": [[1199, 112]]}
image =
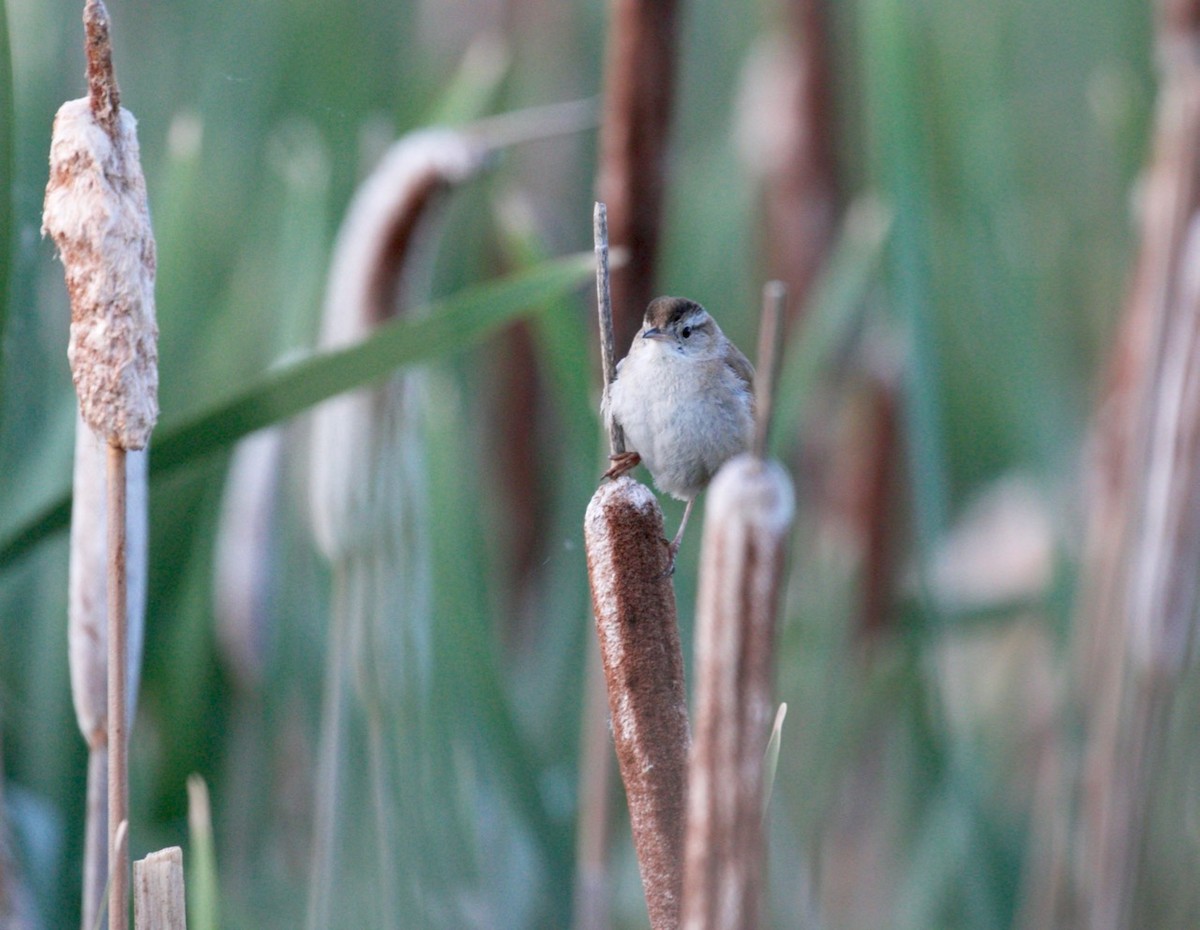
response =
{"points": [[685, 417]]}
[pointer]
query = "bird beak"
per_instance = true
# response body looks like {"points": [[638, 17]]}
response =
{"points": [[654, 333]]}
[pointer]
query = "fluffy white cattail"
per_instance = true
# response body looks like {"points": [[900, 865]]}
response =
{"points": [[97, 214]]}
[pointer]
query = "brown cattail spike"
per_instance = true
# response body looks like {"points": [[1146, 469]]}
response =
{"points": [[104, 97], [749, 516], [643, 668]]}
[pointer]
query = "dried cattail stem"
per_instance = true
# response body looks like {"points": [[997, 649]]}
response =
{"points": [[608, 358], [639, 82], [118, 647], [787, 136], [749, 516], [158, 898], [97, 213], [770, 345], [87, 631], [1137, 588], [634, 605]]}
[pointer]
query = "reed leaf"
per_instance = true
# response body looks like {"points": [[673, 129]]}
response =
{"points": [[447, 326]]}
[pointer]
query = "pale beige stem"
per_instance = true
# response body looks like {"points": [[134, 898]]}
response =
{"points": [[770, 346], [118, 778], [96, 839], [746, 527], [158, 896]]}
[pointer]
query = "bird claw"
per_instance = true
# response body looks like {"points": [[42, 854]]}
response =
{"points": [[672, 552], [622, 464]]}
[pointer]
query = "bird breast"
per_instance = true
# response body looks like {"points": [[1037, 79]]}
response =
{"points": [[684, 416]]}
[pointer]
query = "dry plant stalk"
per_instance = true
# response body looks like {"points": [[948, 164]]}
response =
{"points": [[366, 276], [742, 559], [87, 631], [746, 526], [634, 605], [638, 634], [787, 137], [96, 211], [368, 518], [1138, 590], [158, 897], [591, 908], [639, 82]]}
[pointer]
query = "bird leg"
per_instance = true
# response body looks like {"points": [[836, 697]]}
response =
{"points": [[673, 545], [622, 464]]}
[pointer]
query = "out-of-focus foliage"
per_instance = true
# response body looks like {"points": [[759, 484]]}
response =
{"points": [[997, 144]]}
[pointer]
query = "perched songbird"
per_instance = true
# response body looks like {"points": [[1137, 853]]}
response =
{"points": [[684, 397]]}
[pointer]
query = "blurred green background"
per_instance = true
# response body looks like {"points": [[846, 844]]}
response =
{"points": [[1001, 141]]}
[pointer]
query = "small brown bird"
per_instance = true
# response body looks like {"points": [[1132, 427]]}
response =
{"points": [[684, 397]]}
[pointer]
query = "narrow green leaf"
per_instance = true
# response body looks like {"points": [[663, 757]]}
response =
{"points": [[203, 896], [896, 78], [448, 326]]}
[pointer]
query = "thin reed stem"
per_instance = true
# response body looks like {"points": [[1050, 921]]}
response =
{"points": [[639, 90], [770, 345], [118, 750]]}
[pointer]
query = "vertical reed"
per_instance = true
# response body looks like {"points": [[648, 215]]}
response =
{"points": [[1138, 606], [639, 92], [636, 625], [96, 211], [746, 527]]}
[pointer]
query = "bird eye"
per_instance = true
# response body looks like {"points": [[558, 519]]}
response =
{"points": [[685, 332]]}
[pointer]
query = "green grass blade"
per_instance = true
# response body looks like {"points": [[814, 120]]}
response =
{"points": [[896, 80], [203, 895], [448, 326]]}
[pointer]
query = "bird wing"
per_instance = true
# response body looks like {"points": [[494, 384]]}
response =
{"points": [[741, 367]]}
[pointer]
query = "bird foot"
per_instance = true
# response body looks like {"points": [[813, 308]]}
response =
{"points": [[672, 551], [622, 464]]}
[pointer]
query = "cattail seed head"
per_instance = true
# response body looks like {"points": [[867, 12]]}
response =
{"points": [[96, 212]]}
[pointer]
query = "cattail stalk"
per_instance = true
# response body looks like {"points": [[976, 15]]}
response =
{"points": [[634, 605], [1139, 590], [787, 135], [369, 519], [87, 632], [742, 559], [639, 90], [118, 650], [638, 632], [97, 213]]}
